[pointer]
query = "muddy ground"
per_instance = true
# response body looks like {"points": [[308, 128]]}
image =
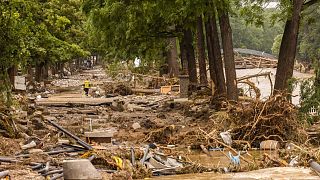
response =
{"points": [[187, 131]]}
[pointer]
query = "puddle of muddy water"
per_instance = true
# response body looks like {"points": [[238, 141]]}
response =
{"points": [[217, 159]]}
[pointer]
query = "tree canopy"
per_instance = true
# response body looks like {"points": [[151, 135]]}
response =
{"points": [[309, 47], [36, 31], [48, 32]]}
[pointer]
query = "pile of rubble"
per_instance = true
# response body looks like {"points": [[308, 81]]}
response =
{"points": [[50, 150], [117, 135], [66, 82]]}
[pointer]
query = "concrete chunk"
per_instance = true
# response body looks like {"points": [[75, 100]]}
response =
{"points": [[32, 144], [136, 126], [80, 169]]}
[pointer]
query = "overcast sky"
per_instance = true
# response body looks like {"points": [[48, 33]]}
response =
{"points": [[272, 5]]}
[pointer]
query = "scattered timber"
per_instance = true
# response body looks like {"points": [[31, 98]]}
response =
{"points": [[79, 141], [255, 62], [67, 102], [146, 91]]}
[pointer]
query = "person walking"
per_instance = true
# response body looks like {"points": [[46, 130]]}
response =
{"points": [[86, 87]]}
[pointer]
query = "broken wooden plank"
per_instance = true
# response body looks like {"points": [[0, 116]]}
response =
{"points": [[99, 136], [146, 91], [74, 101]]}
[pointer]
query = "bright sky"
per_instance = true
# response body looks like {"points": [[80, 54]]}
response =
{"points": [[272, 5]]}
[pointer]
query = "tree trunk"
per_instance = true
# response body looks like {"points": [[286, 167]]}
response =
{"points": [[98, 60], [228, 54], [164, 68], [192, 69], [77, 64], [288, 48], [216, 49], [173, 58], [12, 71], [54, 69], [45, 69], [201, 52], [183, 57], [60, 69], [39, 72], [211, 57], [30, 74]]}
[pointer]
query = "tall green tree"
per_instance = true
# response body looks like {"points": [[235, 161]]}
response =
{"points": [[288, 46], [291, 13], [35, 33], [201, 51], [124, 30], [58, 34], [289, 41], [309, 37], [223, 8], [15, 22], [256, 36], [214, 53]]}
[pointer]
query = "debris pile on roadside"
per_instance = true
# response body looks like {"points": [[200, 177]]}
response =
{"points": [[128, 136], [114, 89], [275, 119], [66, 82]]}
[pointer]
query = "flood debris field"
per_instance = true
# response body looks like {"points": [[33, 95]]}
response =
{"points": [[123, 133]]}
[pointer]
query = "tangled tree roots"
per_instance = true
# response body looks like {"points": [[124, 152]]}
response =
{"points": [[249, 124], [121, 89], [164, 135], [274, 119]]}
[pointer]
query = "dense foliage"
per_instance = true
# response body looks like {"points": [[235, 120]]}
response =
{"points": [[38, 33], [125, 30], [35, 31], [309, 48], [48, 32], [258, 37]]}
